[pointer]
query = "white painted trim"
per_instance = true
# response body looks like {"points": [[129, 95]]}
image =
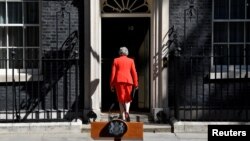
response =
{"points": [[22, 75], [95, 73], [133, 15], [121, 15], [151, 38], [156, 94], [154, 57], [160, 26], [164, 70]]}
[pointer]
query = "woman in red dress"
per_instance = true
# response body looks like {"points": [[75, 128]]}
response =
{"points": [[123, 78]]}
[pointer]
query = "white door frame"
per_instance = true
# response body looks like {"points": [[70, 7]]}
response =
{"points": [[159, 18]]}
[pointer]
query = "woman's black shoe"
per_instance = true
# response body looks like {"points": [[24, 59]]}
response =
{"points": [[127, 117]]}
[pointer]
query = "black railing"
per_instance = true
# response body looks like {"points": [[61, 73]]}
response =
{"points": [[40, 94], [201, 89], [206, 83], [45, 89]]}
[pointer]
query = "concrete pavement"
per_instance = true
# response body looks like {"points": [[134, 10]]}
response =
{"points": [[148, 136], [76, 131]]}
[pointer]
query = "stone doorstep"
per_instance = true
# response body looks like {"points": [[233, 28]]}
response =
{"points": [[65, 128], [74, 126], [157, 128], [148, 127], [145, 118]]}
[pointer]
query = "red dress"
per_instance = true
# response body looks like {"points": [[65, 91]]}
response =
{"points": [[123, 77]]}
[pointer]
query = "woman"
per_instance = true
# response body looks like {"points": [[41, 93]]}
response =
{"points": [[123, 78]]}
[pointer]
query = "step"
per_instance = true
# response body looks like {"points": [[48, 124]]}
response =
{"points": [[147, 127], [142, 117]]}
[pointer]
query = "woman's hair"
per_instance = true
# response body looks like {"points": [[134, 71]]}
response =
{"points": [[123, 51]]}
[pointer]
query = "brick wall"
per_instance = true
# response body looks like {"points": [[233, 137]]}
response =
{"points": [[53, 26], [196, 30]]}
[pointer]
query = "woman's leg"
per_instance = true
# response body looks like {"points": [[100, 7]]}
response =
{"points": [[127, 105], [127, 117], [122, 111], [123, 94]]}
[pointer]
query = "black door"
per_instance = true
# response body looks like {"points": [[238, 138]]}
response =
{"points": [[134, 34]]}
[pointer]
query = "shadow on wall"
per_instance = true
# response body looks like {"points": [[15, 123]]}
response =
{"points": [[59, 68]]}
